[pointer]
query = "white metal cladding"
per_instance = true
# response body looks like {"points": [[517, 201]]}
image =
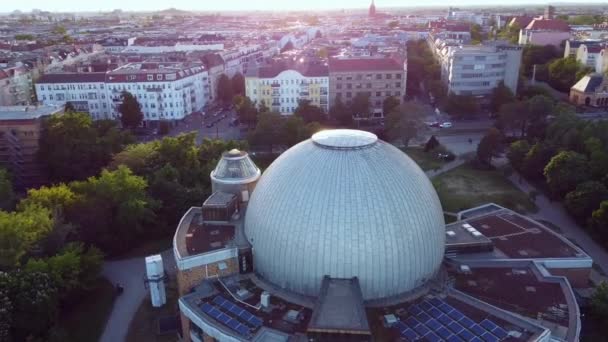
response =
{"points": [[369, 212]]}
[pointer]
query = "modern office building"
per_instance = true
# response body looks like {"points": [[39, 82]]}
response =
{"points": [[342, 238], [19, 136], [477, 69], [165, 91], [377, 77], [282, 85]]}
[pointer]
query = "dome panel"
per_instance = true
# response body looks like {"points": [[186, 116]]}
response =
{"points": [[344, 208]]}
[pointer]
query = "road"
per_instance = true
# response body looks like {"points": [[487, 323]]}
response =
{"points": [[221, 126], [130, 274]]}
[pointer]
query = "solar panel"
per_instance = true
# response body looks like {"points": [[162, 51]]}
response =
{"points": [[422, 329], [426, 305], [423, 317], [412, 322], [455, 314], [500, 333], [443, 332], [206, 307], [243, 330], [236, 310], [477, 339], [488, 337], [446, 308], [256, 321], [410, 334], [467, 322], [445, 319], [455, 327], [466, 335], [436, 301], [433, 324], [432, 337], [489, 325], [434, 312], [233, 323], [414, 309], [399, 326], [454, 338], [478, 330]]}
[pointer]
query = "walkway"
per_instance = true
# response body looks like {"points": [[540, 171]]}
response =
{"points": [[445, 168], [555, 213], [130, 273]]}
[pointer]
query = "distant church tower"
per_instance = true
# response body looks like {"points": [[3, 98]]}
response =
{"points": [[372, 9]]}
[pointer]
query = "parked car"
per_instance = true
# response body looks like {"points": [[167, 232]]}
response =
{"points": [[209, 125], [434, 124], [446, 125], [449, 156]]}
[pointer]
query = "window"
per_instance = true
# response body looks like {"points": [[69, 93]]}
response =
{"points": [[348, 94], [159, 77], [378, 76], [398, 85], [349, 86], [480, 58], [388, 93], [368, 85], [389, 76], [398, 76], [339, 86]]}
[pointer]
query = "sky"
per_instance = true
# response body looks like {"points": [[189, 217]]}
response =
{"points": [[239, 5]]}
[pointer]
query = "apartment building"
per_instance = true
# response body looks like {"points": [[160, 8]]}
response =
{"points": [[477, 69], [165, 91], [19, 136], [15, 86], [282, 85], [376, 77]]}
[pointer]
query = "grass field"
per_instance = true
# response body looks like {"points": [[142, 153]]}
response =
{"points": [[426, 160], [144, 326], [465, 187], [86, 320]]}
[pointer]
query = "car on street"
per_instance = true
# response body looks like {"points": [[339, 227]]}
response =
{"points": [[434, 124], [446, 125], [209, 125]]}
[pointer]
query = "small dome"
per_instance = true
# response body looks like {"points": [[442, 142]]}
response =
{"points": [[235, 167]]}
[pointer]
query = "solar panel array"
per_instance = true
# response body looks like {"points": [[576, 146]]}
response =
{"points": [[233, 316], [435, 320]]}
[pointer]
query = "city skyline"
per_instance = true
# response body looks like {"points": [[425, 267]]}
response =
{"points": [[244, 5]]}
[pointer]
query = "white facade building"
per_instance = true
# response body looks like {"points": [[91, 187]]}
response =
{"points": [[165, 91]]}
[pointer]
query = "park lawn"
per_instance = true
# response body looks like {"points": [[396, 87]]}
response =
{"points": [[144, 326], [87, 319], [465, 187], [426, 160]]}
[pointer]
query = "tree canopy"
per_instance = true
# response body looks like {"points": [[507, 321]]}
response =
{"points": [[565, 170], [405, 121], [131, 115], [489, 146], [309, 113], [224, 89]]}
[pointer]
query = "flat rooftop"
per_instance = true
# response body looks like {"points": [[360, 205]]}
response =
{"points": [[27, 112], [517, 290], [195, 237]]}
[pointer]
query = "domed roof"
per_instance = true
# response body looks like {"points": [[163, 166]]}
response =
{"points": [[235, 167], [345, 204]]}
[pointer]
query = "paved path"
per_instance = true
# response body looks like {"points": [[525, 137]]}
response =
{"points": [[555, 213], [130, 274], [445, 168]]}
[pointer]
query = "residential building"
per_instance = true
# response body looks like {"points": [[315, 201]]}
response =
{"points": [[591, 90], [477, 69], [15, 86], [282, 85], [378, 77], [165, 91], [86, 91], [542, 31], [19, 135], [592, 55]]}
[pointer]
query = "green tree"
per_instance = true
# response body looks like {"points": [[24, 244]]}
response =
{"points": [[537, 55], [510, 33], [19, 231], [360, 105], [476, 34], [24, 37], [238, 84], [130, 110], [296, 130], [224, 89], [565, 171], [517, 153], [393, 24], [389, 104], [587, 197], [404, 122], [308, 112], [599, 220], [69, 107], [115, 209], [341, 113], [489, 146], [72, 147], [268, 132], [501, 95], [461, 105], [599, 299], [539, 107], [59, 30], [536, 159], [245, 109], [7, 195], [564, 72]]}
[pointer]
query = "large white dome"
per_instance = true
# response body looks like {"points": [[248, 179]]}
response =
{"points": [[345, 204]]}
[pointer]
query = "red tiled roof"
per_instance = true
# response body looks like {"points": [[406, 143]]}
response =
{"points": [[521, 21], [73, 77], [548, 25], [364, 64], [306, 69]]}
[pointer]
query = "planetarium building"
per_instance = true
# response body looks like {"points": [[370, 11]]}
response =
{"points": [[345, 204], [343, 238]]}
